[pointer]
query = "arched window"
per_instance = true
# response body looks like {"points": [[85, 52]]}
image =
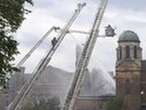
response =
{"points": [[135, 51], [127, 52], [120, 48]]}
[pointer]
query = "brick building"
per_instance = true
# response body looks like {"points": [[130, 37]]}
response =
{"points": [[131, 72]]}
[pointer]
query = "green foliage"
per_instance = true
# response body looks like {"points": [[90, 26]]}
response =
{"points": [[114, 104], [50, 104], [11, 16]]}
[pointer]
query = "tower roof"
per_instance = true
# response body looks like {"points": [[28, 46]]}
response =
{"points": [[129, 36]]}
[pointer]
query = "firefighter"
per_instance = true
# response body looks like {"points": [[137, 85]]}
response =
{"points": [[54, 41], [109, 31]]}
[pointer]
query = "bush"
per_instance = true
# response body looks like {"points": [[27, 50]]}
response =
{"points": [[114, 104]]}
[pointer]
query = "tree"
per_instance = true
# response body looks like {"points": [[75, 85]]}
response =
{"points": [[114, 104], [11, 16], [50, 104]]}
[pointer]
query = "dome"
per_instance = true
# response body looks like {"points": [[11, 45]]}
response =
{"points": [[129, 36]]}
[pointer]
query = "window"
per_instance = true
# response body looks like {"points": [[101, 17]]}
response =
{"points": [[135, 51], [120, 52], [127, 52]]}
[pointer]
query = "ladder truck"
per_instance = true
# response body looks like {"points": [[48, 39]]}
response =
{"points": [[16, 104], [84, 59]]}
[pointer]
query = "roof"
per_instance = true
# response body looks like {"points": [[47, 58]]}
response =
{"points": [[129, 36]]}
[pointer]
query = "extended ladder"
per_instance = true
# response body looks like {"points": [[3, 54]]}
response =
{"points": [[16, 104], [84, 60], [22, 61]]}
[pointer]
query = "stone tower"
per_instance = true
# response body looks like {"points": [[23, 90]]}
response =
{"points": [[128, 70]]}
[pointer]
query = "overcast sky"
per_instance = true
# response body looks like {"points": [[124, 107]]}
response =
{"points": [[122, 14]]}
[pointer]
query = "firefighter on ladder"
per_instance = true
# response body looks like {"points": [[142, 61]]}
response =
{"points": [[54, 41], [109, 31]]}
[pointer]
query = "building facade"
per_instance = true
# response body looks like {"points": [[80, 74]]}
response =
{"points": [[131, 72]]}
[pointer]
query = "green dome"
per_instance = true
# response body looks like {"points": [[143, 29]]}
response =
{"points": [[129, 36]]}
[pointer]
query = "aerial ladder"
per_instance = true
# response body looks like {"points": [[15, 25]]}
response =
{"points": [[23, 60], [17, 102], [54, 28], [109, 32], [84, 59]]}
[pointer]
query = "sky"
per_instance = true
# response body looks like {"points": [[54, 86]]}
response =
{"points": [[121, 14]]}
